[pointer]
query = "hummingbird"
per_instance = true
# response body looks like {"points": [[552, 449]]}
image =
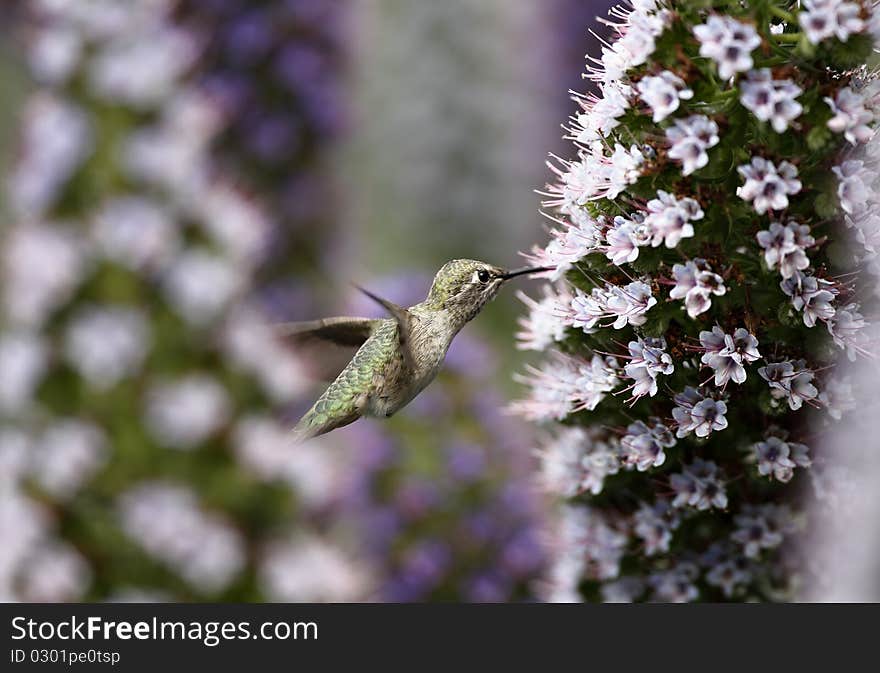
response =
{"points": [[396, 357]]}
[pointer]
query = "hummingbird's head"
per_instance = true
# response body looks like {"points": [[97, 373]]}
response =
{"points": [[465, 286]]}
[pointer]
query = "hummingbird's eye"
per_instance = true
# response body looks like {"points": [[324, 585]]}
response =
{"points": [[483, 276]]}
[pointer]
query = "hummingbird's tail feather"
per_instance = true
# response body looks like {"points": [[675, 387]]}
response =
{"points": [[315, 423]]}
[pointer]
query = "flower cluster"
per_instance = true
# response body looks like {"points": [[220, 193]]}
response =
{"points": [[720, 283]]}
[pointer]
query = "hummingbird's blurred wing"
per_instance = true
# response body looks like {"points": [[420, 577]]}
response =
{"points": [[326, 346], [404, 325]]}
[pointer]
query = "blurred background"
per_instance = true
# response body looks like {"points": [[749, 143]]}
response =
{"points": [[180, 174]]}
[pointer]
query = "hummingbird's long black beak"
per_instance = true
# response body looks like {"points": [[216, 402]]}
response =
{"points": [[526, 270]]}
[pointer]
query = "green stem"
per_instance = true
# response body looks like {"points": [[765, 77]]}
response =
{"points": [[790, 38], [788, 17]]}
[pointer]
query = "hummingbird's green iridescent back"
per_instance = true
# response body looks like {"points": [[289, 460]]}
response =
{"points": [[345, 399]]}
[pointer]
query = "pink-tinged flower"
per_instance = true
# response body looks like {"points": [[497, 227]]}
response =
{"points": [[689, 141], [821, 19], [623, 241], [675, 585], [654, 525], [778, 458], [648, 359], [568, 245], [566, 384], [790, 381], [837, 397], [642, 446], [553, 390], [663, 93], [698, 414], [637, 32], [729, 43], [768, 186], [811, 295], [762, 527], [627, 305], [851, 117], [771, 100], [852, 190], [727, 354], [669, 219], [578, 460], [699, 485], [785, 247], [601, 113], [547, 319], [695, 282], [847, 329]]}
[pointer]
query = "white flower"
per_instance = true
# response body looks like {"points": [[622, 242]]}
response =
{"points": [[142, 65], [727, 42], [634, 47], [595, 378], [689, 139], [838, 398], [623, 241], [627, 305], [250, 342], [779, 458], [642, 445], [785, 247], [184, 413], [67, 455], [821, 19], [309, 569], [813, 296], [54, 53], [577, 460], [767, 186], [698, 414], [699, 485], [648, 359], [23, 361], [663, 92], [169, 523], [106, 344], [547, 319], [850, 116], [790, 381], [57, 138], [846, 327], [41, 267], [675, 585], [625, 169], [135, 232], [567, 246], [654, 525], [200, 284], [696, 283], [853, 190], [54, 573], [264, 446], [669, 218], [235, 222], [771, 100], [601, 113], [554, 390], [762, 527], [727, 354], [595, 539]]}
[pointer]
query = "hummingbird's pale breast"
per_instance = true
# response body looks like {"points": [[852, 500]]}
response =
{"points": [[432, 333]]}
